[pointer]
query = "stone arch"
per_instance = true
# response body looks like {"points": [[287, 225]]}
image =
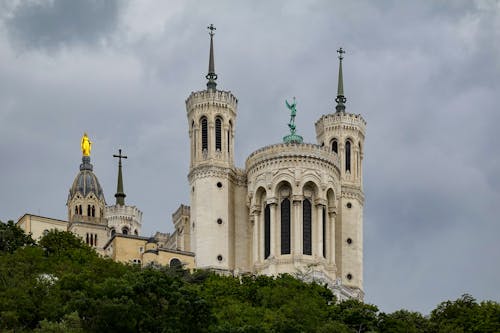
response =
{"points": [[260, 196], [330, 198], [279, 180], [175, 263], [334, 145], [204, 132], [219, 121]]}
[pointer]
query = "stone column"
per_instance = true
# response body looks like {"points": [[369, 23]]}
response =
{"points": [[331, 234], [317, 226], [254, 222], [296, 221], [273, 220]]}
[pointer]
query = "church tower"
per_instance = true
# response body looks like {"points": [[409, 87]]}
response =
{"points": [[211, 117], [344, 134], [86, 202]]}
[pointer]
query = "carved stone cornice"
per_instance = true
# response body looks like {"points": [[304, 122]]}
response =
{"points": [[353, 193], [203, 171]]}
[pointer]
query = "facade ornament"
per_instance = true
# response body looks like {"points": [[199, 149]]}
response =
{"points": [[86, 145], [292, 137]]}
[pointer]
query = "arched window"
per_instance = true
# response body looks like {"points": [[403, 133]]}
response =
{"points": [[113, 232], [285, 226], [194, 135], [80, 209], [306, 227], [324, 231], [175, 263], [95, 239], [267, 232], [88, 210], [91, 240], [335, 146], [87, 240], [204, 133], [348, 155], [125, 231], [76, 210], [136, 232], [93, 211], [218, 134], [229, 131]]}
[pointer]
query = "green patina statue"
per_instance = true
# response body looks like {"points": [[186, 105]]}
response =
{"points": [[292, 137]]}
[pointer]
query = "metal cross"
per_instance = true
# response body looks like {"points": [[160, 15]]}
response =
{"points": [[211, 28], [341, 52], [120, 156]]}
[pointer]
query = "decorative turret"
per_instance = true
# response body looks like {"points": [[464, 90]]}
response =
{"points": [[121, 218], [343, 134], [86, 198], [211, 115]]}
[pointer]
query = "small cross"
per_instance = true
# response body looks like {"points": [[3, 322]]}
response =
{"points": [[211, 28], [341, 52], [120, 156]]}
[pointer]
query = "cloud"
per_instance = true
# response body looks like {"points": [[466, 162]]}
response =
{"points": [[52, 24]]}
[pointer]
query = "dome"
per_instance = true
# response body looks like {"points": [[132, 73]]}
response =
{"points": [[86, 181]]}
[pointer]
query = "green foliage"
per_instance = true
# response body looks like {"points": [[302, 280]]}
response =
{"points": [[12, 237], [62, 285]]}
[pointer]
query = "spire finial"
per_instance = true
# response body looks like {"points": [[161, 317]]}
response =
{"points": [[340, 89], [120, 195], [211, 76]]}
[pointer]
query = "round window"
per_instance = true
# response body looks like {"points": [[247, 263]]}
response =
{"points": [[219, 221], [349, 205], [219, 257], [349, 276], [219, 184], [349, 241]]}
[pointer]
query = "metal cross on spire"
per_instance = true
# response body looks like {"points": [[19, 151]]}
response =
{"points": [[211, 28], [341, 52], [120, 195], [120, 156]]}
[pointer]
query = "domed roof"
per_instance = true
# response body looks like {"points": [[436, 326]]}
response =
{"points": [[86, 181]]}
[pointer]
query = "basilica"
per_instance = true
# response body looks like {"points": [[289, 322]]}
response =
{"points": [[293, 208]]}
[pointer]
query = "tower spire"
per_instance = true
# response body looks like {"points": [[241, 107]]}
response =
{"points": [[120, 195], [211, 76], [340, 89]]}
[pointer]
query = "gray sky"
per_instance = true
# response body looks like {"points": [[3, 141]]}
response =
{"points": [[424, 74]]}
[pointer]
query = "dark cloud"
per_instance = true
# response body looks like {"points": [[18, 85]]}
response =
{"points": [[51, 24]]}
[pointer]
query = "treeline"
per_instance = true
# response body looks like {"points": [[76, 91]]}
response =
{"points": [[62, 285]]}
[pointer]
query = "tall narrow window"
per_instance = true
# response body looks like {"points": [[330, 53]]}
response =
{"points": [[267, 232], [335, 146], [306, 226], [93, 211], [348, 156], [76, 210], [91, 240], [285, 226], [229, 131], [88, 210], [80, 209], [204, 133], [324, 232], [218, 134], [87, 240]]}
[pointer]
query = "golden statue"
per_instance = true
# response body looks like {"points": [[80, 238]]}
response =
{"points": [[86, 145]]}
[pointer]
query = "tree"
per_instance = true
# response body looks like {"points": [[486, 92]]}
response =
{"points": [[12, 237]]}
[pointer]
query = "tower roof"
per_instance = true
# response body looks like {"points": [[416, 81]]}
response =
{"points": [[86, 181], [340, 88], [120, 195], [211, 76]]}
